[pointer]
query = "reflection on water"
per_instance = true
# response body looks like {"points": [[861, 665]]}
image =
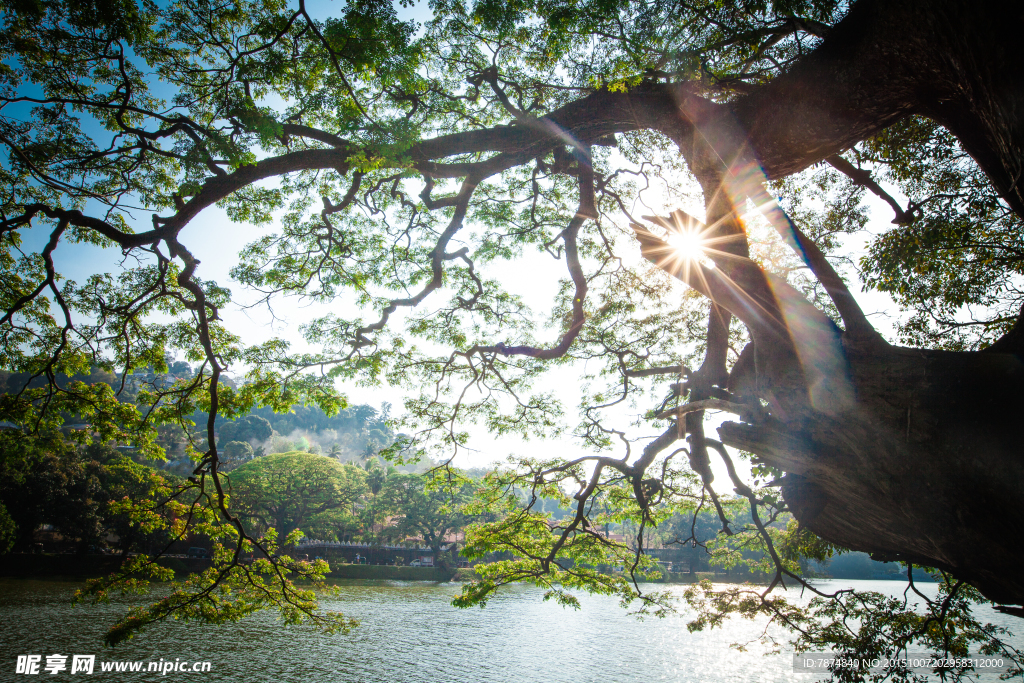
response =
{"points": [[410, 632]]}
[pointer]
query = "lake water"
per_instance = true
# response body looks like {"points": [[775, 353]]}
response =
{"points": [[410, 632]]}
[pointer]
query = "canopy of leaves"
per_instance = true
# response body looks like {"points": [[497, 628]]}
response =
{"points": [[423, 511], [287, 491], [397, 167]]}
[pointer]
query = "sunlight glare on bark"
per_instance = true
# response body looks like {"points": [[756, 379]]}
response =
{"points": [[688, 244]]}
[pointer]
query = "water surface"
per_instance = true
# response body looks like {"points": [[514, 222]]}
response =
{"points": [[410, 632]]}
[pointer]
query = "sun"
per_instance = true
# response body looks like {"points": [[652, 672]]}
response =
{"points": [[687, 244]]}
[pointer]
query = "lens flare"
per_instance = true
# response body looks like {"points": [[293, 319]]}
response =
{"points": [[688, 244]]}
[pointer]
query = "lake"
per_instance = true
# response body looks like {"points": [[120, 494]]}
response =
{"points": [[410, 632]]}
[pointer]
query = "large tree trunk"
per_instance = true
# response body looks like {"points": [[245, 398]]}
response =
{"points": [[926, 466], [904, 453], [954, 61]]}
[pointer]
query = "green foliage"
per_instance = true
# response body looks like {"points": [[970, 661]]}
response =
{"points": [[118, 19], [8, 530], [288, 491], [224, 593], [77, 491], [370, 38], [123, 480], [251, 429], [45, 482], [559, 555], [427, 508], [868, 625], [123, 121], [962, 252], [236, 453]]}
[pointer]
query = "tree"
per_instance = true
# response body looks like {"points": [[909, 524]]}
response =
{"points": [[236, 453], [122, 480], [8, 530], [405, 165], [287, 491], [375, 510], [252, 429], [44, 482], [75, 491], [428, 513]]}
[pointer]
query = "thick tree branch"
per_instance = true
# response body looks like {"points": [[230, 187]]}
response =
{"points": [[704, 404], [863, 178], [572, 261]]}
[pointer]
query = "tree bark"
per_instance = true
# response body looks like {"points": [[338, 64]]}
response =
{"points": [[956, 62], [926, 466], [908, 454]]}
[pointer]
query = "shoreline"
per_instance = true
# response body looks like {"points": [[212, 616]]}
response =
{"points": [[83, 567]]}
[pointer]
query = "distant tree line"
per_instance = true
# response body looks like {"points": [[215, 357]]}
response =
{"points": [[356, 433], [77, 492], [372, 503]]}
